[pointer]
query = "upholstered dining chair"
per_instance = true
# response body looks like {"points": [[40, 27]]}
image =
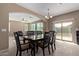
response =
{"points": [[52, 41], [45, 42], [29, 33], [21, 47]]}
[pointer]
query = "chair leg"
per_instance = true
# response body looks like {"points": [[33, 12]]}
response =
{"points": [[49, 49], [20, 53], [23, 40], [17, 52], [31, 52], [43, 52], [27, 50], [37, 48], [52, 48]]}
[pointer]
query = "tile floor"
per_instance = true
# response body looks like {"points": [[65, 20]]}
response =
{"points": [[62, 49]]}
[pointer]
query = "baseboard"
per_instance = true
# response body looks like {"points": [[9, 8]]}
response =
{"points": [[67, 42], [3, 51]]}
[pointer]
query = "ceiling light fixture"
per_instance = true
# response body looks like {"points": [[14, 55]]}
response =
{"points": [[48, 16]]}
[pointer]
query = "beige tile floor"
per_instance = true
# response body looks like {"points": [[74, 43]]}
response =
{"points": [[62, 49]]}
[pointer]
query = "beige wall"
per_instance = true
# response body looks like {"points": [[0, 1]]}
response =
{"points": [[4, 25], [16, 26], [68, 16]]}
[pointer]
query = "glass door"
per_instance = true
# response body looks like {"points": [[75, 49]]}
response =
{"points": [[66, 31], [63, 30], [58, 30]]}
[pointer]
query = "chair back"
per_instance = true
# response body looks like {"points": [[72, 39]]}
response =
{"points": [[16, 35], [52, 35], [46, 37], [39, 32], [30, 33], [20, 33]]}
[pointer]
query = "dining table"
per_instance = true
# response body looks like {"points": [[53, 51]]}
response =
{"points": [[34, 39]]}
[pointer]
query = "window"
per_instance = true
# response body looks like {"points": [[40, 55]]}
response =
{"points": [[32, 28], [39, 26], [36, 27]]}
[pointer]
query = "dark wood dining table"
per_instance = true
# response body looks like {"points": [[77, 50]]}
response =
{"points": [[34, 39]]}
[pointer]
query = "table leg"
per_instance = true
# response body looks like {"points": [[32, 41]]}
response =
{"points": [[33, 49]]}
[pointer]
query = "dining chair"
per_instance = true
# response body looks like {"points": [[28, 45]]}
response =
{"points": [[45, 43], [52, 41], [39, 32], [21, 47], [29, 33], [20, 33]]}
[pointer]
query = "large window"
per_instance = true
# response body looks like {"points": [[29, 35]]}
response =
{"points": [[32, 27], [36, 26], [39, 27]]}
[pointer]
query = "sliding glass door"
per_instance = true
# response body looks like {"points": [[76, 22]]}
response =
{"points": [[58, 30], [63, 30], [66, 31]]}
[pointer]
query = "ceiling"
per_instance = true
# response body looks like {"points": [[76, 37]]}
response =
{"points": [[23, 17], [42, 9], [55, 8]]}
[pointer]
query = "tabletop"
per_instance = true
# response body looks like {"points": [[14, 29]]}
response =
{"points": [[35, 37]]}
